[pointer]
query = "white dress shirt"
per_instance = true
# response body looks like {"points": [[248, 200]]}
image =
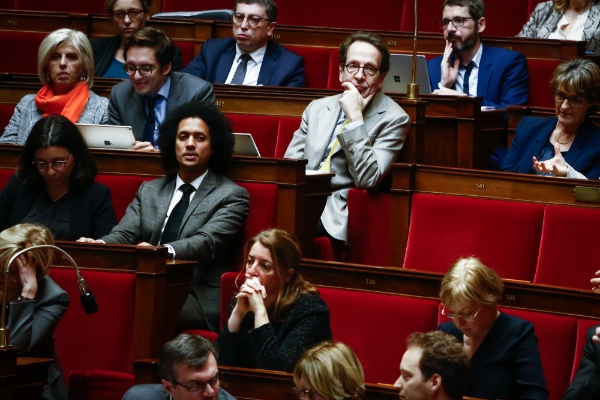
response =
{"points": [[473, 79], [576, 32], [252, 68]]}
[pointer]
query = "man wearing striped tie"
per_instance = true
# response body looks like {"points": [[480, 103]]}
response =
{"points": [[356, 135]]}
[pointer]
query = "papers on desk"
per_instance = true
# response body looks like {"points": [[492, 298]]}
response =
{"points": [[487, 108]]}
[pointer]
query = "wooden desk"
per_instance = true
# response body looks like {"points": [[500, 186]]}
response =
{"points": [[22, 378]]}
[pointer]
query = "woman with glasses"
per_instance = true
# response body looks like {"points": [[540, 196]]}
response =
{"points": [[504, 357], [66, 69], [567, 145], [276, 314], [127, 16], [329, 371], [54, 185], [35, 302]]}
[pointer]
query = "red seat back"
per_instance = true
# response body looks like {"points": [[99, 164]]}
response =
{"points": [[99, 384], [7, 4], [122, 190], [428, 17], [263, 129], [285, 133], [196, 5], [376, 326], [188, 51], [86, 7], [263, 207], [316, 61], [540, 74], [5, 175], [333, 81], [504, 235], [19, 51], [568, 239]]}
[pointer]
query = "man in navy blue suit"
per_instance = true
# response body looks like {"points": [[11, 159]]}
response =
{"points": [[470, 68], [249, 58]]}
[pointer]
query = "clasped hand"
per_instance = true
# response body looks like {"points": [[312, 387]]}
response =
{"points": [[251, 296]]}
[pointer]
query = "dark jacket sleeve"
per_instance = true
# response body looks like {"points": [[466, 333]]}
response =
{"points": [[177, 63], [8, 197], [103, 214], [512, 159], [586, 384]]}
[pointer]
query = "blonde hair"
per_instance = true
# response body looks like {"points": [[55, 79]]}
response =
{"points": [[332, 370], [286, 254], [469, 281], [71, 37], [561, 5], [18, 237]]}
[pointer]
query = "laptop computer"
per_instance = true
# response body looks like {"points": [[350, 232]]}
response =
{"points": [[107, 136], [245, 145], [400, 74]]}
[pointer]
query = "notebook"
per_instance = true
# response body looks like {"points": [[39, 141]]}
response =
{"points": [[400, 74], [107, 136], [245, 145]]}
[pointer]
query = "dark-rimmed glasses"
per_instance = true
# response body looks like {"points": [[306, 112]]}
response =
{"points": [[253, 20], [132, 14], [368, 70], [56, 165], [464, 316], [456, 21], [306, 394], [200, 387], [560, 98], [145, 70]]}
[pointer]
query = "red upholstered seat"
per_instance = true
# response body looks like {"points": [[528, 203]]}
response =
{"points": [[7, 4], [196, 5], [19, 51], [263, 207], [285, 132], [569, 252], [504, 235], [385, 16], [100, 341], [540, 74], [333, 81], [582, 327], [86, 7], [5, 175], [316, 61], [122, 190], [188, 51], [376, 326], [428, 16], [369, 222], [99, 384], [263, 129]]}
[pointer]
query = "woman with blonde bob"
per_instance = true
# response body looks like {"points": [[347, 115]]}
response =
{"points": [[35, 303], [66, 71], [503, 349], [329, 371], [276, 314]]}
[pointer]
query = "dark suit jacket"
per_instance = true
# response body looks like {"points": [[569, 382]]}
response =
{"points": [[533, 133], [503, 78], [32, 325], [104, 49], [210, 229], [156, 391], [280, 67], [92, 214], [126, 107], [586, 384]]}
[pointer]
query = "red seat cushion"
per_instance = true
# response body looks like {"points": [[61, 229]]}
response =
{"points": [[198, 5], [540, 74], [333, 81], [99, 385], [582, 327], [263, 129], [376, 326], [568, 240], [285, 133], [263, 207], [100, 341], [188, 51], [316, 61], [504, 235], [5, 175], [19, 51], [122, 190], [86, 7]]}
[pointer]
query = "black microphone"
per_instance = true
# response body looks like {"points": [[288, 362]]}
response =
{"points": [[88, 301]]}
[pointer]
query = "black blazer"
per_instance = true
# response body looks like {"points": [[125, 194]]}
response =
{"points": [[586, 384], [92, 214], [104, 49]]}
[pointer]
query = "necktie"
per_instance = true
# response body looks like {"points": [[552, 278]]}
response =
{"points": [[240, 72], [171, 232], [467, 76], [150, 118], [326, 167]]}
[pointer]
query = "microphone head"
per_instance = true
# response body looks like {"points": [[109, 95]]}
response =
{"points": [[88, 301]]}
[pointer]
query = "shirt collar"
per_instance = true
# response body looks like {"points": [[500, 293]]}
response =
{"points": [[477, 59], [195, 183], [257, 55], [164, 90]]}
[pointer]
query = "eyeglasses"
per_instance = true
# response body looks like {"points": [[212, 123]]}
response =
{"points": [[560, 98], [306, 394], [367, 69], [56, 165], [200, 387], [132, 14], [464, 316], [253, 20], [456, 21], [145, 70]]}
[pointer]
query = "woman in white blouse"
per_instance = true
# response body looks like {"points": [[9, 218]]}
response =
{"points": [[566, 20]]}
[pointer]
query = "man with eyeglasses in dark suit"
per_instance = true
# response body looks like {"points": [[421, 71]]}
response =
{"points": [[249, 58]]}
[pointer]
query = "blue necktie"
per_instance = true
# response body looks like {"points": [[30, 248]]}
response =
{"points": [[150, 118], [240, 72], [467, 76]]}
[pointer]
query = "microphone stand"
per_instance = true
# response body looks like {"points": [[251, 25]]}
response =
{"points": [[87, 298], [412, 89]]}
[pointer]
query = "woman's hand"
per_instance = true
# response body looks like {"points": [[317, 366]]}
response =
{"points": [[27, 267], [250, 298], [556, 165]]}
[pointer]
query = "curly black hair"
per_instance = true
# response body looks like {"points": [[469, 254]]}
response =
{"points": [[221, 135]]}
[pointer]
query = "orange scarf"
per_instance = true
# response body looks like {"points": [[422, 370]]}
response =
{"points": [[69, 105]]}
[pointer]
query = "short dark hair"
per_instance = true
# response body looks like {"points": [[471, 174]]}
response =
{"points": [[270, 7], [580, 76], [373, 40], [156, 39], [221, 135], [442, 355], [192, 350], [56, 130], [110, 4], [476, 7]]}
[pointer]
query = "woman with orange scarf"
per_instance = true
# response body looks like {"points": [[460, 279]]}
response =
{"points": [[66, 69]]}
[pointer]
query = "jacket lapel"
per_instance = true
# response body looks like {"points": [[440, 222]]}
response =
{"points": [[374, 112], [175, 91], [268, 65], [207, 186], [485, 72], [592, 24], [138, 109], [328, 117], [224, 65], [579, 143], [163, 196]]}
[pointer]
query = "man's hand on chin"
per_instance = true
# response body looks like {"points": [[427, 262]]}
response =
{"points": [[353, 103]]}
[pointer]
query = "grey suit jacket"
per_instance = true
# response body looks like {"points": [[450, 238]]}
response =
{"points": [[156, 391], [27, 114], [544, 20], [210, 229], [126, 107], [364, 157], [32, 324]]}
